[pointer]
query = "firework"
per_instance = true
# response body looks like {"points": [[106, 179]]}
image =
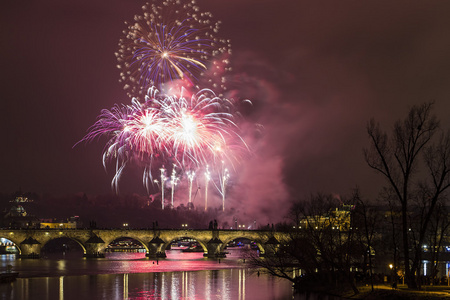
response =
{"points": [[190, 132], [198, 128], [171, 41], [172, 46]]}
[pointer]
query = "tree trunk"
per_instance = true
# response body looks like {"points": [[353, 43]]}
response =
{"points": [[410, 277]]}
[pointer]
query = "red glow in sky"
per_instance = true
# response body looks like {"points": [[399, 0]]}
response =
{"points": [[315, 71]]}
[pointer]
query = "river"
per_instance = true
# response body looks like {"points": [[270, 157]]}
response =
{"points": [[132, 276]]}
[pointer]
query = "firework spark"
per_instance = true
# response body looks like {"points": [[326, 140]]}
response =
{"points": [[171, 41]]}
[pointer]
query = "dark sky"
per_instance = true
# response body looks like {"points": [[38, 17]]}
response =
{"points": [[316, 72]]}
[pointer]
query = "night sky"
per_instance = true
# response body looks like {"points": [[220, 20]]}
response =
{"points": [[316, 72]]}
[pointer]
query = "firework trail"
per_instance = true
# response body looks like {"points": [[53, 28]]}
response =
{"points": [[173, 182], [223, 177], [171, 41], [163, 180], [190, 176]]}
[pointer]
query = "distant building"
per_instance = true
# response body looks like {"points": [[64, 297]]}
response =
{"points": [[70, 223], [17, 218], [338, 219], [21, 199]]}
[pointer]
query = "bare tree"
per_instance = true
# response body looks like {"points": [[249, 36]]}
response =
{"points": [[439, 226], [322, 245], [394, 232], [399, 159], [366, 217], [286, 260]]}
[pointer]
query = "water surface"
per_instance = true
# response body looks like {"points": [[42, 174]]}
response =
{"points": [[132, 276]]}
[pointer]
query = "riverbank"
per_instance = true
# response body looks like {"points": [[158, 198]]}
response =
{"points": [[382, 291]]}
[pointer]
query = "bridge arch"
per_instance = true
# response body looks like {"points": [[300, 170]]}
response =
{"points": [[52, 239], [127, 236], [17, 245], [169, 242], [257, 242]]}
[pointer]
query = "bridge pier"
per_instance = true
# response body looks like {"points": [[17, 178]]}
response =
{"points": [[271, 246], [94, 251], [155, 251], [30, 248], [214, 251], [214, 246], [155, 248], [95, 247]]}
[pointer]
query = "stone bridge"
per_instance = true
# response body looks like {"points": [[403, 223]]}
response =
{"points": [[155, 241]]}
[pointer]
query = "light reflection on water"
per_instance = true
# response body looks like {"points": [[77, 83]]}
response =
{"points": [[130, 276], [211, 284], [119, 262]]}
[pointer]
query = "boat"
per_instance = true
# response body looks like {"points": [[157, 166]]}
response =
{"points": [[8, 249], [193, 248]]}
